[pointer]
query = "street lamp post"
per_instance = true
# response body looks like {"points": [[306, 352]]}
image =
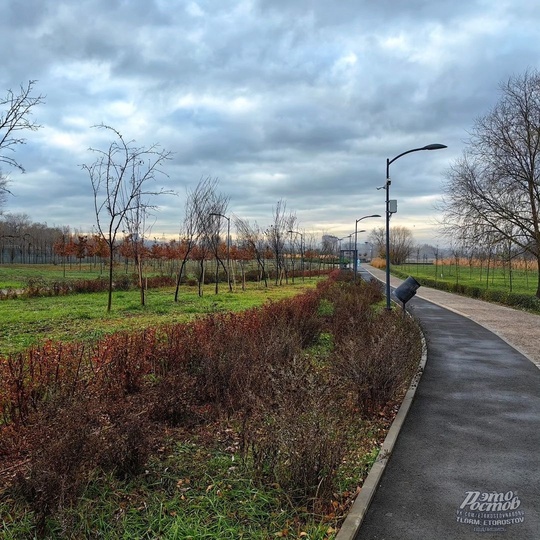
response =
{"points": [[343, 238], [228, 246], [387, 187], [339, 251], [369, 246], [356, 231], [292, 257]]}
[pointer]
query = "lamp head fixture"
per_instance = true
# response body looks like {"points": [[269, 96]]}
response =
{"points": [[434, 147]]}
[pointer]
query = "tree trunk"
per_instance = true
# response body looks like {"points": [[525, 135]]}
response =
{"points": [[141, 282], [201, 278], [487, 270], [243, 274], [109, 301], [226, 270], [538, 271], [262, 273], [179, 278], [217, 277]]}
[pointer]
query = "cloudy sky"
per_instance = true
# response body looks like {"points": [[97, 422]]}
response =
{"points": [[279, 99]]}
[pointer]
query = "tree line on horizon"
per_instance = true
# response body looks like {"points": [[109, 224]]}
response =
{"points": [[491, 194]]}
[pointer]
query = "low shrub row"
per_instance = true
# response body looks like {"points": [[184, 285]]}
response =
{"points": [[69, 410], [36, 287]]}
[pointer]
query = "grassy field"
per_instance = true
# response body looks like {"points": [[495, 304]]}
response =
{"points": [[523, 282], [17, 275], [27, 321]]}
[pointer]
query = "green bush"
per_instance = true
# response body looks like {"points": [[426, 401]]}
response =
{"points": [[475, 292], [523, 301]]}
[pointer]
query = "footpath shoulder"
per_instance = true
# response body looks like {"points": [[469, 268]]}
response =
{"points": [[518, 328]]}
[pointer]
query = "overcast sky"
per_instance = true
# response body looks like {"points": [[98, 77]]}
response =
{"points": [[279, 99]]}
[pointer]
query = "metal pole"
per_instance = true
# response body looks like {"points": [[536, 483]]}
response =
{"points": [[229, 252], [387, 262], [302, 248], [291, 257], [388, 162], [356, 248], [356, 240]]}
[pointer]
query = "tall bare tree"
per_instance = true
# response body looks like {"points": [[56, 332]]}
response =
{"points": [[215, 239], [137, 229], [401, 243], [120, 177], [190, 228], [277, 234], [15, 117], [251, 238], [494, 188], [199, 226], [329, 249]]}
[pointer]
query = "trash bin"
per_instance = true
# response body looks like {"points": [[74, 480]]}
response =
{"points": [[407, 289]]}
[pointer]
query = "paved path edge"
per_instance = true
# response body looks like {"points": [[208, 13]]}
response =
{"points": [[351, 525]]}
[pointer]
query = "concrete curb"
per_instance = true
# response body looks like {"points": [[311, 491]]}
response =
{"points": [[354, 518]]}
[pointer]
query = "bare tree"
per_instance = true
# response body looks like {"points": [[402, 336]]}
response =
{"points": [[251, 237], [15, 117], [219, 210], [4, 191], [494, 189], [209, 234], [276, 236], [378, 238], [119, 179], [311, 249], [25, 241], [329, 249], [137, 229], [401, 243], [199, 226], [191, 229], [14, 227]]}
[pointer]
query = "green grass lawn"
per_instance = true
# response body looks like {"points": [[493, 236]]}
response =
{"points": [[193, 492], [522, 282], [16, 275], [27, 321]]}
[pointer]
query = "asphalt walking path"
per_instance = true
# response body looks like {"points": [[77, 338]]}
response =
{"points": [[466, 463]]}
